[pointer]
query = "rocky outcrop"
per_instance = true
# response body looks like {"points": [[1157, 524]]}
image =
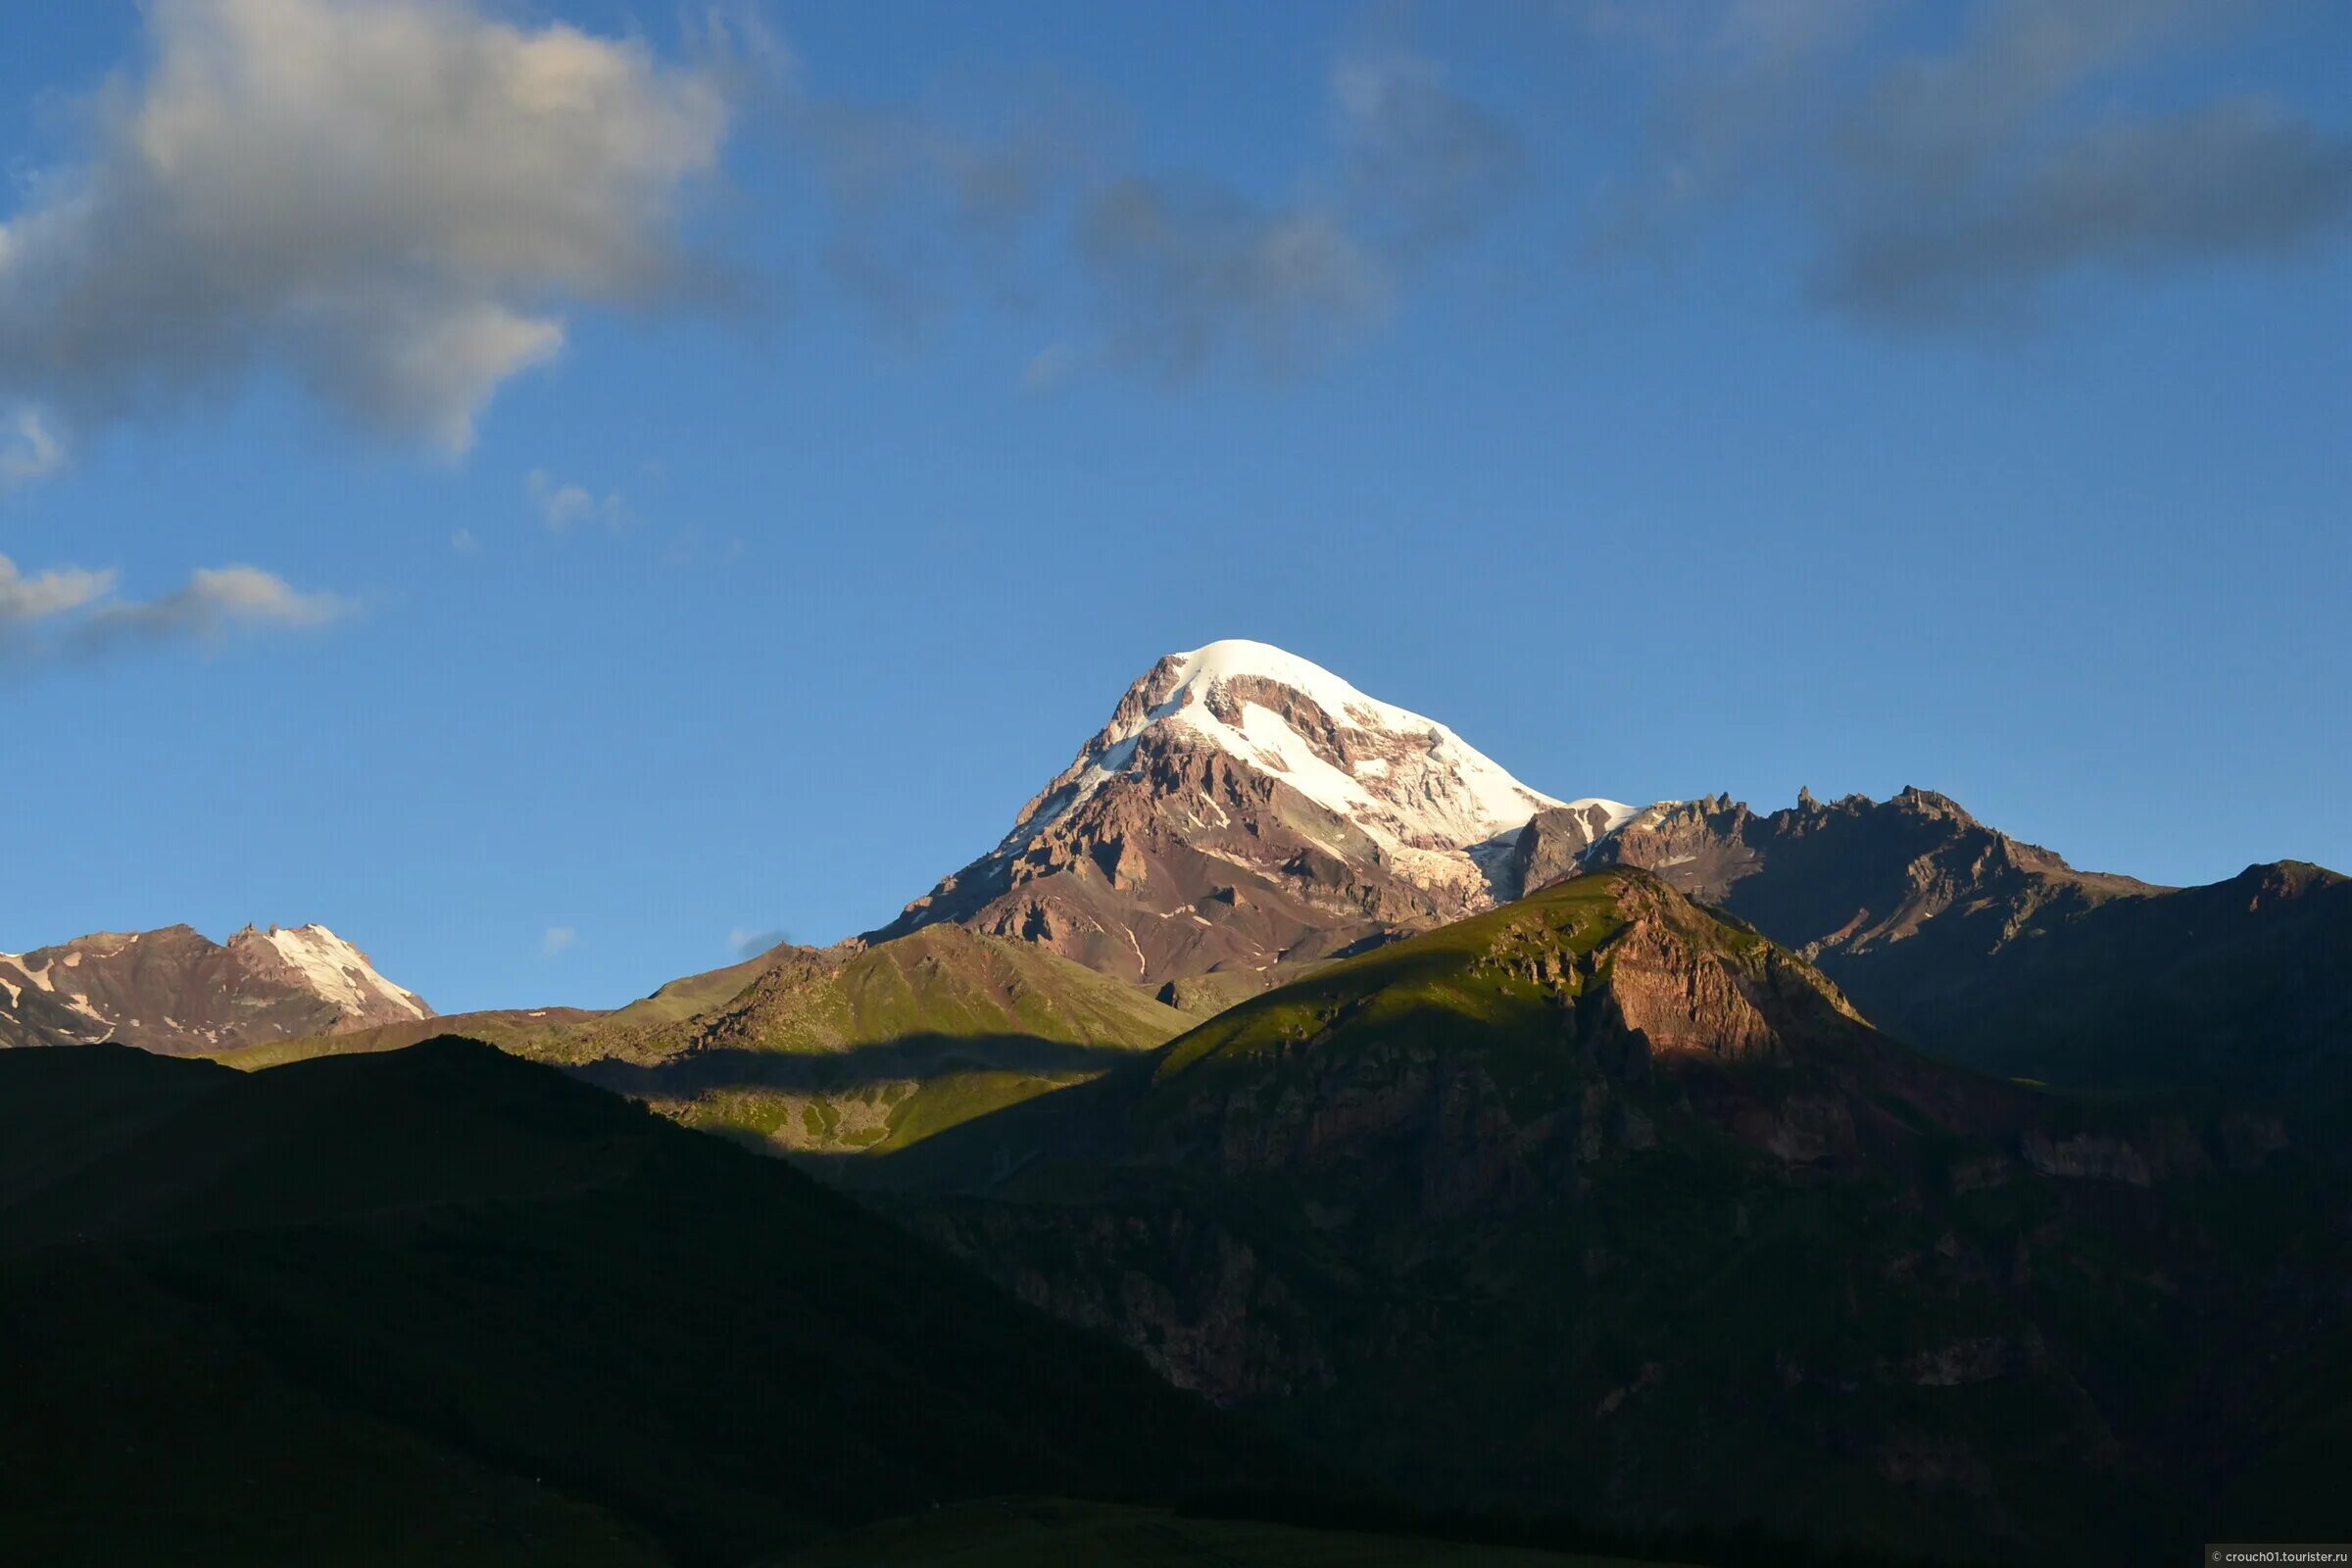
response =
{"points": [[1681, 999], [1697, 847], [1554, 846]]}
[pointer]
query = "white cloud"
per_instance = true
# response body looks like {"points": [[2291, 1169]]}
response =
{"points": [[1182, 273], [1946, 189], [464, 543], [563, 505], [1190, 273], [218, 598], [1423, 163], [56, 591], [28, 449], [1190, 270], [69, 612], [748, 941], [392, 199], [558, 940]]}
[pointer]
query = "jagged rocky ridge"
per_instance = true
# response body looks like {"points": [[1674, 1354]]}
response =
{"points": [[1996, 953]]}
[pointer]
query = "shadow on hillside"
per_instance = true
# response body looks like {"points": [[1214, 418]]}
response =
{"points": [[1084, 1121], [1823, 1097], [914, 1057]]}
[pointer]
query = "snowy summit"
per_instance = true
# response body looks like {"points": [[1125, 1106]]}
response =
{"points": [[1407, 780], [338, 972], [1245, 809]]}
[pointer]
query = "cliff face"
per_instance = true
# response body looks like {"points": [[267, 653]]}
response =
{"points": [[1557, 841]]}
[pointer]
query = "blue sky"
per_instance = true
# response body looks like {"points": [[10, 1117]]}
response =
{"points": [[1841, 395]]}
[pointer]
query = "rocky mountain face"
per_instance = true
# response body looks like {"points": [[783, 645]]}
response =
{"points": [[1602, 1202], [1996, 952], [1245, 811], [176, 992]]}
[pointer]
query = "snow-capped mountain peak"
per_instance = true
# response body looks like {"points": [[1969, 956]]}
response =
{"points": [[1405, 780], [1245, 811]]}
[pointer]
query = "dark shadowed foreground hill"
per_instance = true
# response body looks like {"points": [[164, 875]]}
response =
{"points": [[1601, 1203], [440, 1305]]}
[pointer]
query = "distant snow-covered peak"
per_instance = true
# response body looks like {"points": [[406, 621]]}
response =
{"points": [[339, 972], [176, 990]]}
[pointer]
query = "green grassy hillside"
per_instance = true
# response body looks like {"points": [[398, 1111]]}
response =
{"points": [[438, 1306], [839, 1053], [830, 1052], [1493, 980]]}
